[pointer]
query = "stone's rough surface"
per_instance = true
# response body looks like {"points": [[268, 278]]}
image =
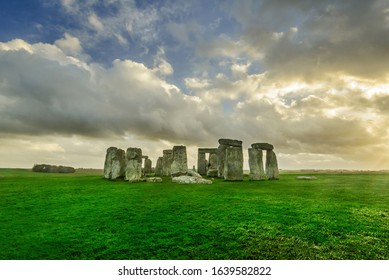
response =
{"points": [[115, 163], [256, 164], [306, 177], [52, 168], [179, 163], [201, 163], [262, 146], [230, 142], [221, 158], [233, 165], [147, 166], [185, 179], [194, 174], [212, 166], [158, 167], [167, 162], [272, 172], [134, 165], [154, 179]]}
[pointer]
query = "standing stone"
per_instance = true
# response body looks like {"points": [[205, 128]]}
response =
{"points": [[134, 164], [147, 166], [179, 163], [224, 144], [221, 158], [213, 168], [271, 165], [201, 163], [158, 167], [233, 165], [167, 162], [256, 164], [114, 165]]}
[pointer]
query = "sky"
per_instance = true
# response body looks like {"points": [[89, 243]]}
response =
{"points": [[309, 77]]}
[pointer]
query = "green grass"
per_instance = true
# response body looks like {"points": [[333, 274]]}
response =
{"points": [[82, 216]]}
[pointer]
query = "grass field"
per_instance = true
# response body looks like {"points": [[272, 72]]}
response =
{"points": [[82, 216]]}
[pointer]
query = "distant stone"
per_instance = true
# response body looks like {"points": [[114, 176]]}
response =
{"points": [[158, 167], [167, 162], [134, 165], [262, 146], [147, 166], [230, 142], [185, 179], [46, 168], [179, 161], [306, 177], [233, 165], [114, 165], [272, 171], [154, 179]]}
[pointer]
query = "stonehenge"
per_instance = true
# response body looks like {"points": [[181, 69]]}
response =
{"points": [[225, 161]]}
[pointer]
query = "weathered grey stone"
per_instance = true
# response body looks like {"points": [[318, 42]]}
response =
{"points": [[256, 165], [262, 146], [233, 165], [52, 168], [133, 165], [221, 158], [230, 142], [147, 166], [201, 163], [272, 172], [167, 162], [158, 167], [179, 163], [154, 179], [115, 163], [306, 177], [194, 174], [212, 166], [185, 179]]}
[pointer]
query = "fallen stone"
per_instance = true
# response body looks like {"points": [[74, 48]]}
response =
{"points": [[154, 179], [190, 180], [306, 177], [194, 174]]}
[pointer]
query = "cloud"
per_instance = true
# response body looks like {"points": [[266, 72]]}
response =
{"points": [[47, 92], [95, 22], [69, 45]]}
